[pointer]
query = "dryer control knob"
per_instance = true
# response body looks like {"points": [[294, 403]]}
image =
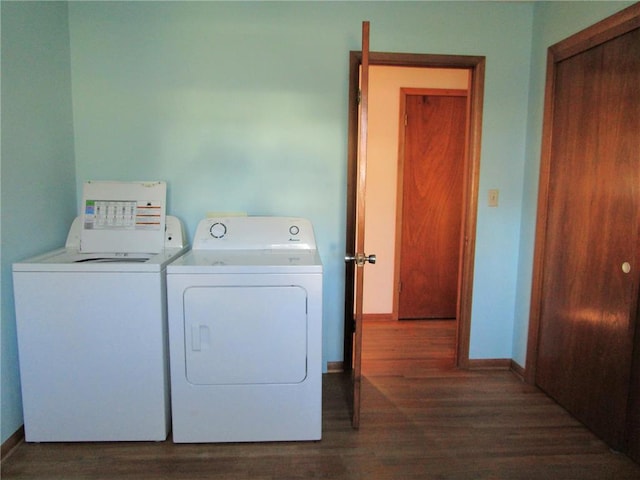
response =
{"points": [[218, 230], [294, 230]]}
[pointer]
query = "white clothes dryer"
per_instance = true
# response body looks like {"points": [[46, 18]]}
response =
{"points": [[245, 332], [92, 321]]}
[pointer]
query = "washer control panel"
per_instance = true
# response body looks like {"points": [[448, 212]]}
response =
{"points": [[254, 233]]}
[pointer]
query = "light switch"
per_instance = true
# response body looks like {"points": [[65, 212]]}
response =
{"points": [[493, 197]]}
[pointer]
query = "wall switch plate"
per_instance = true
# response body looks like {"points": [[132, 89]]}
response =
{"points": [[493, 197]]}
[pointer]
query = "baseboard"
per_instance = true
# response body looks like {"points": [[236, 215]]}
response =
{"points": [[377, 317], [497, 364], [490, 364], [335, 367], [517, 369], [480, 364], [11, 443]]}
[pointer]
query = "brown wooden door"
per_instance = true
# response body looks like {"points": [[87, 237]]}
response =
{"points": [[433, 170], [355, 257], [591, 261]]}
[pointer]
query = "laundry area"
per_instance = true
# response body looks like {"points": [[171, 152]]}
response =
{"points": [[242, 109], [243, 329]]}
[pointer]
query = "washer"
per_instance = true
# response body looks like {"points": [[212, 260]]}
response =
{"points": [[92, 333], [245, 332]]}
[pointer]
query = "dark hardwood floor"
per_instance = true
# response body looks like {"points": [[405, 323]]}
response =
{"points": [[421, 419]]}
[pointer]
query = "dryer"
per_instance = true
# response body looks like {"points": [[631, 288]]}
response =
{"points": [[91, 321], [245, 332]]}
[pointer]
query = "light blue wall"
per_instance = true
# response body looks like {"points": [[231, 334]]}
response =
{"points": [[38, 179], [553, 22], [243, 106]]}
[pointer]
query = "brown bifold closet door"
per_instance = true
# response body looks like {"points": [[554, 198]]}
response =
{"points": [[591, 262]]}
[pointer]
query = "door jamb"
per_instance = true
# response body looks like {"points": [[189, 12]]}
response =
{"points": [[476, 67]]}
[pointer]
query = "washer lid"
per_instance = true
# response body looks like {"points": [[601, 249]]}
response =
{"points": [[71, 260]]}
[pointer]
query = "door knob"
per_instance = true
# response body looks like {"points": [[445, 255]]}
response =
{"points": [[360, 259]]}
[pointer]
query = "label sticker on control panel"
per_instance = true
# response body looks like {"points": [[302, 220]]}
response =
{"points": [[122, 215]]}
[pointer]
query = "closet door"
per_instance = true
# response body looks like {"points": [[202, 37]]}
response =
{"points": [[591, 263]]}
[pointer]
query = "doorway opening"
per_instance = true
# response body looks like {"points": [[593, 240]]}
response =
{"points": [[473, 69], [416, 144]]}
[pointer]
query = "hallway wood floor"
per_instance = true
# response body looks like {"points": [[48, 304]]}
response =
{"points": [[421, 419]]}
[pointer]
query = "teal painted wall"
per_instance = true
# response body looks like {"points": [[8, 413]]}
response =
{"points": [[243, 106], [38, 198], [553, 22]]}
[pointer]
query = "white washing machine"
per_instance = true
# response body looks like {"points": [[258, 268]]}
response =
{"points": [[245, 332], [91, 321]]}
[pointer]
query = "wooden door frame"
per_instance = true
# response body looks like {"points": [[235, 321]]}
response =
{"points": [[476, 67], [404, 93], [601, 32]]}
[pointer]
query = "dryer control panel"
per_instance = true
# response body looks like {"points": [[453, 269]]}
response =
{"points": [[254, 233]]}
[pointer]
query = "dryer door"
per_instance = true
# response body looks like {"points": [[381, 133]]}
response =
{"points": [[245, 335]]}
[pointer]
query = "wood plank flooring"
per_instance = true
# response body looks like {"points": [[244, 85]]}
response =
{"points": [[421, 419], [409, 347]]}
